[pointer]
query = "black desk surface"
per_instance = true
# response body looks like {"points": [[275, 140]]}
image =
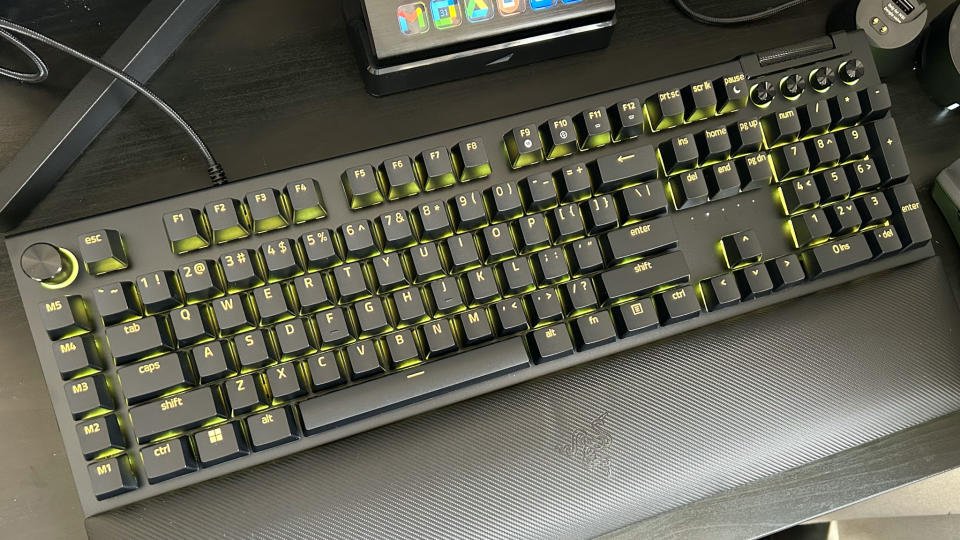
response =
{"points": [[272, 85]]}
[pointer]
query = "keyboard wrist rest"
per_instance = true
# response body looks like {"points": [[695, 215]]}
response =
{"points": [[590, 450]]}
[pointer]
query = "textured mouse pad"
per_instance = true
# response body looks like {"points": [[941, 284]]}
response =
{"points": [[596, 448]]}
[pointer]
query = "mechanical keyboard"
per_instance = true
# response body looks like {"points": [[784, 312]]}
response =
{"points": [[202, 334]]}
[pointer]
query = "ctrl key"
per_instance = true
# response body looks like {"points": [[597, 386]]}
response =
{"points": [[112, 477], [168, 460], [550, 343]]}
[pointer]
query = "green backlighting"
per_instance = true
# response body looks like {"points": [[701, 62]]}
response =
{"points": [[189, 244], [596, 141], [440, 182], [235, 232], [269, 224], [475, 173], [309, 214]]}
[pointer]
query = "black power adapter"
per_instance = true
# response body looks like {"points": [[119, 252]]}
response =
{"points": [[893, 27]]}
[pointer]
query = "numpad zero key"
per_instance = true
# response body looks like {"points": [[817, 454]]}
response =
{"points": [[194, 336]]}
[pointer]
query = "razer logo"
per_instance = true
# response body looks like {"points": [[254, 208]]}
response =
{"points": [[588, 446]]}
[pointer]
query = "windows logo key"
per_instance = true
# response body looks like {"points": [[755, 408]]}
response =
{"points": [[446, 13], [412, 18]]}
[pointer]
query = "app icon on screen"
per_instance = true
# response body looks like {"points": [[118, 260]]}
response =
{"points": [[446, 13], [479, 10], [413, 18], [542, 4], [510, 7]]}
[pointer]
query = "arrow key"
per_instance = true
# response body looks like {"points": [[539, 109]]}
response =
{"points": [[741, 248], [754, 281], [786, 272], [719, 292]]}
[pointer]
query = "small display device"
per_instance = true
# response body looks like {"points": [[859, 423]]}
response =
{"points": [[405, 44]]}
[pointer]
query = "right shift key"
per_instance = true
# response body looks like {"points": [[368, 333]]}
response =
{"points": [[908, 216], [887, 151]]}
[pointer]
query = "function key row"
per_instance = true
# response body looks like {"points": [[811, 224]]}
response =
{"points": [[401, 176], [260, 211]]}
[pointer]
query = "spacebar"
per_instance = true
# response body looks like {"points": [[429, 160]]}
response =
{"points": [[410, 385]]}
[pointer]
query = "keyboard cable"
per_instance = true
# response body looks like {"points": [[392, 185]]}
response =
{"points": [[9, 28], [738, 19]]}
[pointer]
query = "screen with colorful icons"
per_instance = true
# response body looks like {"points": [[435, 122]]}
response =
{"points": [[420, 17], [408, 27]]}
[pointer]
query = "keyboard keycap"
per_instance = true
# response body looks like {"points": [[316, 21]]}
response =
{"points": [[102, 251], [754, 281], [328, 411], [665, 110], [154, 377], [538, 192], [311, 292], [560, 137], [755, 171], [306, 200], [221, 443], [432, 220], [274, 303], [436, 169], [642, 201], [574, 183], [445, 296], [168, 460], [371, 317], [781, 127], [227, 220], [700, 101], [635, 317], [438, 338], [400, 177], [627, 119], [550, 266], [470, 157], [679, 154], [601, 214], [746, 137], [523, 146], [689, 189], [468, 211], [473, 327], [566, 223], [117, 302], [677, 305], [234, 314], [111, 477], [401, 349], [732, 93], [509, 317], [242, 269], [579, 296], [324, 370], [594, 128], [815, 118], [875, 102], [845, 110], [585, 256], [138, 339], [88, 396], [295, 338], [823, 151], [186, 230], [267, 210], [350, 282], [496, 243], [800, 194], [843, 217], [319, 250], [214, 361], [642, 277], [77, 355], [714, 144], [741, 248], [481, 286], [810, 227], [515, 275], [461, 252], [544, 306], [159, 291], [99, 436], [503, 202], [357, 240], [246, 393], [550, 343], [183, 411], [200, 280], [884, 241], [271, 428], [791, 161], [280, 259], [285, 382], [854, 143], [835, 256], [645, 238], [390, 273], [362, 186], [409, 305], [786, 272], [888, 151], [532, 232], [720, 292], [873, 208], [908, 216], [255, 349], [615, 171], [393, 230], [593, 331]]}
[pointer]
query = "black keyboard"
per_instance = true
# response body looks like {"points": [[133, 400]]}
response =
{"points": [[205, 333]]}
